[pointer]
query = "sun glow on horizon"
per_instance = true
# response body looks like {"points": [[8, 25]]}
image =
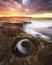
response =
{"points": [[43, 15]]}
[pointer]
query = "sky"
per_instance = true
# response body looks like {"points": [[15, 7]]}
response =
{"points": [[25, 7]]}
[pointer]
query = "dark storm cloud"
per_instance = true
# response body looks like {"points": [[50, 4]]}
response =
{"points": [[29, 5], [40, 5]]}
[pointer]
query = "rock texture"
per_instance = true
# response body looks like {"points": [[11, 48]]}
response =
{"points": [[10, 34]]}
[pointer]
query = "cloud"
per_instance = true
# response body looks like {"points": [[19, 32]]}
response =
{"points": [[27, 5]]}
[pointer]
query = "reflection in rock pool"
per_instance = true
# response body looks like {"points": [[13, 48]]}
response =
{"points": [[19, 48]]}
